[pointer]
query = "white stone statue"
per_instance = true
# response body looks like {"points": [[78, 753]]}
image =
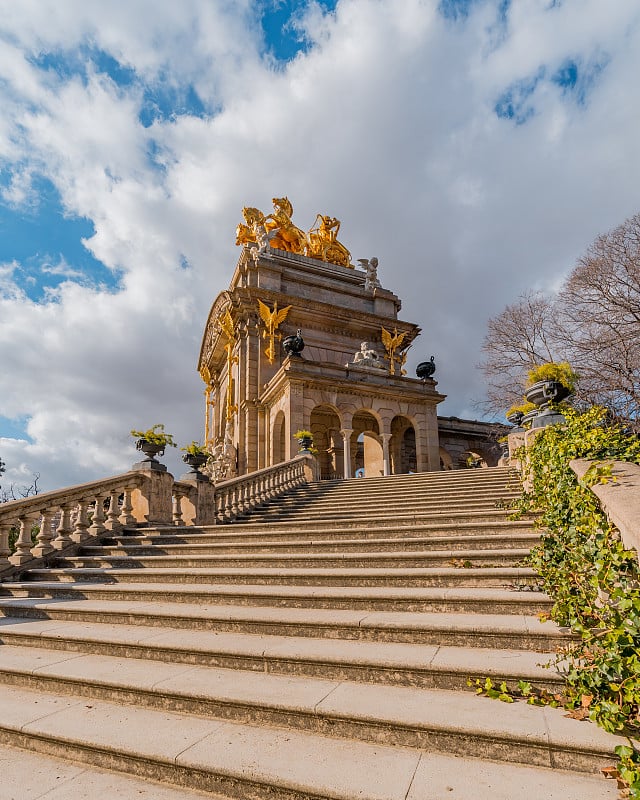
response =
{"points": [[370, 266], [222, 464], [366, 357]]}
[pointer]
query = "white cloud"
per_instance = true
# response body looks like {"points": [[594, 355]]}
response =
{"points": [[387, 122]]}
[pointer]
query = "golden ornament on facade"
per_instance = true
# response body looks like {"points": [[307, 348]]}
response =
{"points": [[392, 342], [226, 326], [278, 230], [272, 320]]}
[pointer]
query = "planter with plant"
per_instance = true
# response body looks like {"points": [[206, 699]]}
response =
{"points": [[196, 457], [153, 442], [547, 386], [305, 441]]}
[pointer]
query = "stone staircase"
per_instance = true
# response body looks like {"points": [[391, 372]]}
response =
{"points": [[319, 648]]}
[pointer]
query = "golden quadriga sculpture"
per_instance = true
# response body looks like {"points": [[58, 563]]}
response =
{"points": [[277, 230]]}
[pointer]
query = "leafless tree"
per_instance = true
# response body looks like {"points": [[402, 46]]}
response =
{"points": [[599, 320], [15, 492], [593, 323], [518, 339]]}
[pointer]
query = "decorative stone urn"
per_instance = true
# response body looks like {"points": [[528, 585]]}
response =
{"points": [[543, 394], [425, 369], [293, 345], [196, 462], [305, 443], [150, 449]]}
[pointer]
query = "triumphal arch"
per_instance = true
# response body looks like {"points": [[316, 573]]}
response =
{"points": [[304, 341]]}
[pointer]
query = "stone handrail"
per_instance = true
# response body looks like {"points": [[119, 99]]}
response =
{"points": [[144, 496], [241, 495], [619, 498], [67, 516]]}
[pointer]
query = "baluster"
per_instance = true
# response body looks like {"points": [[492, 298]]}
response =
{"points": [[228, 505], [252, 495], [82, 522], [263, 489], [126, 517], [97, 523], [234, 502], [219, 506], [113, 524], [5, 527], [45, 536], [244, 497], [64, 529], [24, 542], [177, 508]]}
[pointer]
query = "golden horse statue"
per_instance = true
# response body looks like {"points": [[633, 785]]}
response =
{"points": [[277, 230], [283, 234], [323, 242]]}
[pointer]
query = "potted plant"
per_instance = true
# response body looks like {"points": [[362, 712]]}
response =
{"points": [[305, 441], [550, 383], [520, 413], [195, 456], [153, 441]]}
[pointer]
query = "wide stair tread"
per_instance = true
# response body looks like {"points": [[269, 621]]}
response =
{"points": [[234, 759]]}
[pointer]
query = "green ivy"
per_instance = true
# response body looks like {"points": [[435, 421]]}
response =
{"points": [[593, 580]]}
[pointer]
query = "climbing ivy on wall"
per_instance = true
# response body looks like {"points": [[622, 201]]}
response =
{"points": [[593, 580]]}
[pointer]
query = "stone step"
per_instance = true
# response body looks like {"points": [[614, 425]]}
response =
{"points": [[354, 560], [383, 510], [315, 704], [467, 630], [389, 663], [163, 545], [36, 775], [457, 600], [499, 577], [241, 760], [27, 776], [398, 520], [245, 533]]}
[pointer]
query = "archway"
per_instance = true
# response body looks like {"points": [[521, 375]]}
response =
{"points": [[471, 460], [278, 439], [325, 426], [366, 445], [402, 447]]}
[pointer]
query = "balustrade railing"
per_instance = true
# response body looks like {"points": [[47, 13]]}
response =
{"points": [[64, 518], [239, 496]]}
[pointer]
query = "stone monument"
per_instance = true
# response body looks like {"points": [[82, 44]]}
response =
{"points": [[348, 385]]}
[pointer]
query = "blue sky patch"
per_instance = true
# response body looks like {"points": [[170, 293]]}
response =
{"points": [[456, 9], [164, 102], [514, 104], [47, 245], [283, 39], [577, 78], [13, 429]]}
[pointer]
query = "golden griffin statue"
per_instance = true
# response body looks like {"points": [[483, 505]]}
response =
{"points": [[277, 230], [392, 343], [272, 321]]}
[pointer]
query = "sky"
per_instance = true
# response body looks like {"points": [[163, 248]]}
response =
{"points": [[476, 147]]}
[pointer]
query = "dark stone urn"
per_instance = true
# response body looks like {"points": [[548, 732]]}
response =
{"points": [[305, 443], [150, 450], [196, 461], [425, 369], [543, 394], [293, 345]]}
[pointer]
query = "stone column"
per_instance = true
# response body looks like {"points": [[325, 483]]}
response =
{"points": [[346, 438], [386, 460]]}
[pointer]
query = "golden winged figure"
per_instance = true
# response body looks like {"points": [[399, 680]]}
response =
{"points": [[391, 343], [272, 320]]}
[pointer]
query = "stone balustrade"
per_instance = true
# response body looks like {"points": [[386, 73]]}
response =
{"points": [[67, 517], [242, 495]]}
